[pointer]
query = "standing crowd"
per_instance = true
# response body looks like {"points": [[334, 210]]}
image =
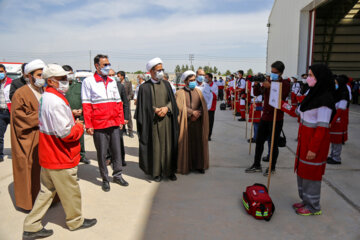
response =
{"points": [[49, 111]]}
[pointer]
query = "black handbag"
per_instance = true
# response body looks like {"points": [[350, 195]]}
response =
{"points": [[282, 140]]}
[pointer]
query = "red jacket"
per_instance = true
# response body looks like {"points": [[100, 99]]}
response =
{"points": [[338, 130], [102, 104], [313, 136], [7, 92], [59, 146]]}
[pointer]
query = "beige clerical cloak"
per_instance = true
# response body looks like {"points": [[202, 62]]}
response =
{"points": [[184, 163], [24, 146]]}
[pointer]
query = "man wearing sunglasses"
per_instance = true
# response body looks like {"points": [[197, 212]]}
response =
{"points": [[104, 117]]}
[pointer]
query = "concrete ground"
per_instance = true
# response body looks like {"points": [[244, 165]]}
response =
{"points": [[203, 206]]}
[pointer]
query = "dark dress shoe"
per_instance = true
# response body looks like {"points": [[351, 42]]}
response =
{"points": [[85, 160], [105, 186], [124, 164], [209, 139], [173, 177], [87, 223], [265, 159], [332, 161], [121, 181], [1, 159], [202, 171], [241, 119], [131, 135], [157, 179], [252, 140], [237, 114], [43, 233]]}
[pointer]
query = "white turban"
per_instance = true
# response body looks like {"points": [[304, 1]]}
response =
{"points": [[34, 65], [186, 74], [152, 63]]}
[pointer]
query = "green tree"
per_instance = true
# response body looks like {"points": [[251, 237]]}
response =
{"points": [[250, 72], [211, 70], [186, 67], [177, 69], [192, 68], [139, 72], [200, 67], [206, 69], [219, 73], [227, 72], [215, 69], [183, 68]]}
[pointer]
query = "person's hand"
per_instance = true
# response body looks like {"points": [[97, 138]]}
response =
{"points": [[76, 112], [77, 121], [193, 118], [164, 111], [267, 84], [126, 121], [196, 114], [121, 126], [157, 111], [90, 131], [310, 155]]}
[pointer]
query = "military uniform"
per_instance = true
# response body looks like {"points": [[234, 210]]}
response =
{"points": [[73, 95]]}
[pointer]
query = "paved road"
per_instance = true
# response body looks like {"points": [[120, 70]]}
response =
{"points": [[204, 206]]}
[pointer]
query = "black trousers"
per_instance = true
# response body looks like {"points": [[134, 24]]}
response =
{"points": [[104, 139], [355, 98], [122, 146], [4, 121], [211, 122], [264, 133], [221, 94]]}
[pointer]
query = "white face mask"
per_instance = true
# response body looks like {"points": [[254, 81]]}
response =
{"points": [[39, 82], [70, 77], [160, 75], [63, 86]]}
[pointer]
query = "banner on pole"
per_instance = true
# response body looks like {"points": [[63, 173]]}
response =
{"points": [[275, 95]]}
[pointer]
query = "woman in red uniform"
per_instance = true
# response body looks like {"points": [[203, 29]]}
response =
{"points": [[314, 138], [338, 130]]}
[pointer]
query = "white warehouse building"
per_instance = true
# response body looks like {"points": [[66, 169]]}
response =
{"points": [[304, 32]]}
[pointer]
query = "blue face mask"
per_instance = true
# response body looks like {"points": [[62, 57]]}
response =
{"points": [[2, 76], [200, 78], [336, 86], [105, 70], [274, 76], [192, 85]]}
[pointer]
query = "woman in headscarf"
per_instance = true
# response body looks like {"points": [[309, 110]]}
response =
{"points": [[338, 129], [314, 138]]}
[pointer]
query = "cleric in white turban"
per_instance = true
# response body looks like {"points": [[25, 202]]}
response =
{"points": [[156, 118], [193, 154]]}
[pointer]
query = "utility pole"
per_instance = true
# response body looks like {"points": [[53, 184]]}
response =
{"points": [[90, 60], [191, 59]]}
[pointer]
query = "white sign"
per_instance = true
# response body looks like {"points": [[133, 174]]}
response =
{"points": [[275, 98]]}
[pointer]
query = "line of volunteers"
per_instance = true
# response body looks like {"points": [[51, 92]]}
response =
{"points": [[320, 102]]}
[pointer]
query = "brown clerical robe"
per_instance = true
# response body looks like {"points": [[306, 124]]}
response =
{"points": [[24, 146], [193, 146]]}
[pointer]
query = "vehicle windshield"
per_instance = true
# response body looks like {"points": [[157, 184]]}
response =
{"points": [[13, 75]]}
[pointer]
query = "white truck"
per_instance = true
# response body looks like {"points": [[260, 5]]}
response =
{"points": [[13, 69]]}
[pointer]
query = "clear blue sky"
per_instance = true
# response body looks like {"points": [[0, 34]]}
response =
{"points": [[230, 34]]}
